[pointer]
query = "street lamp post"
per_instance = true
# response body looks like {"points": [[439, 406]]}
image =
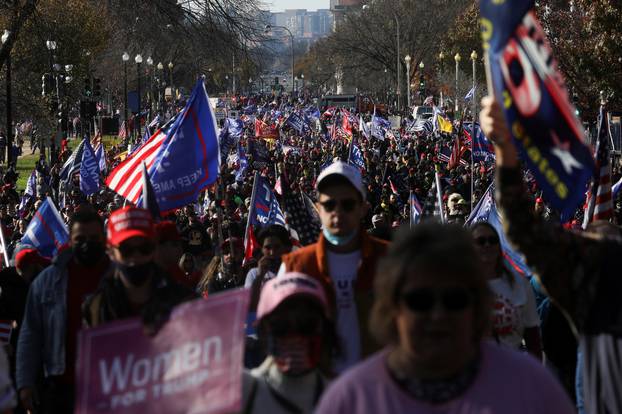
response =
{"points": [[302, 76], [457, 58], [170, 68], [441, 59], [150, 80], [407, 60], [9, 117], [474, 112], [159, 85], [397, 36], [51, 46], [138, 59], [291, 36], [421, 81], [125, 58]]}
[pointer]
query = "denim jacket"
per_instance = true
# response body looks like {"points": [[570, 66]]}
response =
{"points": [[42, 336]]}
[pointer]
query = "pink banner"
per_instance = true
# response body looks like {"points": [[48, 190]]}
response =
{"points": [[193, 365]]}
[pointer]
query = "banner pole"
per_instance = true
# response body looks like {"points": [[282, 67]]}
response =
{"points": [[5, 255]]}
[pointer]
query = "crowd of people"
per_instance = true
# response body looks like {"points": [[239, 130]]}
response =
{"points": [[359, 301]]}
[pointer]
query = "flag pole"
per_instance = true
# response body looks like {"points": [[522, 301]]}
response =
{"points": [[250, 209], [410, 210], [439, 195], [219, 225], [5, 255]]}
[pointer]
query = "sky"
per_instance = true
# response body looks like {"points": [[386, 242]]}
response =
{"points": [[280, 5]]}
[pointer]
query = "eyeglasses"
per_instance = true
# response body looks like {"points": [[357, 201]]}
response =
{"points": [[490, 240], [347, 205], [129, 250], [424, 299]]}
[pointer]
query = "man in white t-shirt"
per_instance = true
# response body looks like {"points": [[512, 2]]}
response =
{"points": [[344, 259]]}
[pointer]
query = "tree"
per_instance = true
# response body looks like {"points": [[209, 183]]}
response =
{"points": [[365, 42]]}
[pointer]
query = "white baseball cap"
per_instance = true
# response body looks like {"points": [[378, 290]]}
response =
{"points": [[349, 172]]}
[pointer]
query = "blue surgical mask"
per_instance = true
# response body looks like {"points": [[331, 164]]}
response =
{"points": [[338, 240]]}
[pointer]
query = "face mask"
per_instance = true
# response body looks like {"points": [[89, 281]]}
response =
{"points": [[338, 240], [89, 252], [295, 354], [137, 275]]}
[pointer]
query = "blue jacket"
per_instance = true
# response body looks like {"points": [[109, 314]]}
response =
{"points": [[44, 328], [42, 336]]}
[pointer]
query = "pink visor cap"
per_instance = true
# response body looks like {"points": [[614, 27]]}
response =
{"points": [[276, 290]]}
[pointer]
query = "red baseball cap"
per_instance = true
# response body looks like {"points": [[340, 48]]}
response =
{"points": [[129, 222], [30, 256]]}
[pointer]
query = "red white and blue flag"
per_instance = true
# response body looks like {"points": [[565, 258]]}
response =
{"points": [[181, 161], [47, 231], [538, 111], [600, 202]]}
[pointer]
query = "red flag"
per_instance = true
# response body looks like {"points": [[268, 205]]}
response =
{"points": [[265, 131], [250, 243], [346, 126]]}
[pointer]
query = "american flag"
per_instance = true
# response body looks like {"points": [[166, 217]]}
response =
{"points": [[73, 163], [600, 204], [429, 101], [126, 178], [303, 215], [122, 131], [456, 154]]}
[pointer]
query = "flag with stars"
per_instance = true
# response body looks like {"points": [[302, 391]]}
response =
{"points": [[540, 116], [600, 203], [303, 216]]}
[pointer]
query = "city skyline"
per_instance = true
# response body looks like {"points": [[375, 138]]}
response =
{"points": [[311, 5]]}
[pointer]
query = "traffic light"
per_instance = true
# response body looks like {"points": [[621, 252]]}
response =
{"points": [[87, 87], [276, 80], [97, 87], [421, 83]]}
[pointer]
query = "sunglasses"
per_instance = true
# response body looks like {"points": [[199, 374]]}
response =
{"points": [[424, 299], [143, 249], [347, 205], [490, 240]]}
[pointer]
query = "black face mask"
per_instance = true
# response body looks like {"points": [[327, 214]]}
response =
{"points": [[89, 252], [137, 275]]}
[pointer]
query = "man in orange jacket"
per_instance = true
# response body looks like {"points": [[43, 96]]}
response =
{"points": [[343, 259]]}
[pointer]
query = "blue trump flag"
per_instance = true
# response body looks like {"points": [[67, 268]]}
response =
{"points": [[486, 211], [46, 232], [356, 157], [538, 111], [229, 135], [100, 154], [483, 150], [89, 170], [148, 198], [243, 163], [189, 158], [265, 208], [298, 122]]}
